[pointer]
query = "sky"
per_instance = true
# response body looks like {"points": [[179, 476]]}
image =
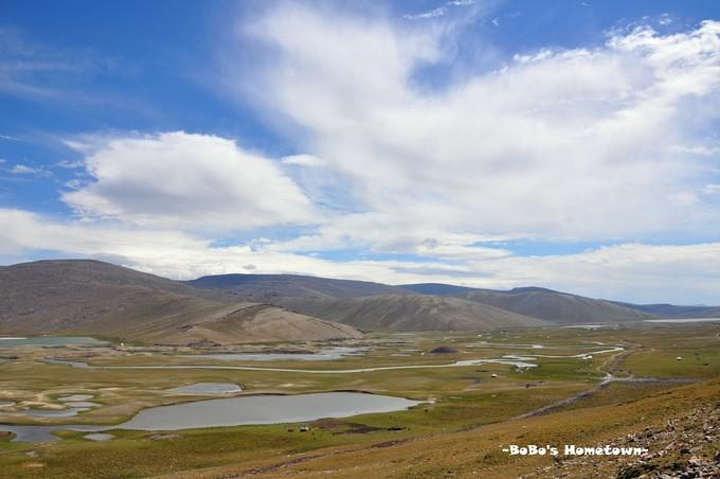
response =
{"points": [[573, 145]]}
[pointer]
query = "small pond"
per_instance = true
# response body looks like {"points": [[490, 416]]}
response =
{"points": [[683, 320], [328, 354], [53, 412], [206, 388]]}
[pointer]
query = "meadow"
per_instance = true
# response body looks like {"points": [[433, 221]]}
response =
{"points": [[468, 413]]}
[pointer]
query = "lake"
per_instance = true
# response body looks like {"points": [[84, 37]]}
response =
{"points": [[206, 388], [328, 354], [683, 320], [237, 411], [263, 409]]}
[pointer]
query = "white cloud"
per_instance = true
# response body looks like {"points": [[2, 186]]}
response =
{"points": [[684, 274], [173, 254], [29, 69], [605, 143], [713, 189], [665, 19], [435, 12], [569, 144], [71, 165], [630, 272], [303, 160], [23, 170], [703, 150], [438, 11], [187, 181]]}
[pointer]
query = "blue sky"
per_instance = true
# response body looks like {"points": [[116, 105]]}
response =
{"points": [[568, 144]]}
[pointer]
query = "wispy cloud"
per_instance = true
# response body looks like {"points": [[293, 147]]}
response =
{"points": [[25, 170], [36, 71], [563, 144], [438, 11], [606, 144]]}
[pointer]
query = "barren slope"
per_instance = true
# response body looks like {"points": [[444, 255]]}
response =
{"points": [[554, 306], [91, 297], [410, 313]]}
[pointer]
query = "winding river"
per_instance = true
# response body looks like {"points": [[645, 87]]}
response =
{"points": [[523, 361]]}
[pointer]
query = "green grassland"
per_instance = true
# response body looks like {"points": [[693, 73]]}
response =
{"points": [[459, 433]]}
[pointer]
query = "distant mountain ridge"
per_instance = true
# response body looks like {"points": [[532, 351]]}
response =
{"points": [[351, 302], [556, 307], [96, 298], [410, 312], [675, 311], [268, 285]]}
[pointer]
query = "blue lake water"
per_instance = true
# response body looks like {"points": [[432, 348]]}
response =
{"points": [[237, 411], [328, 354], [683, 320], [206, 388]]}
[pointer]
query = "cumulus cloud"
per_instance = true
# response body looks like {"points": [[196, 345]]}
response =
{"points": [[186, 181], [174, 254], [563, 144], [303, 160], [612, 143]]}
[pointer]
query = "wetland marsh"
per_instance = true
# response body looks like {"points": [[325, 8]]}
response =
{"points": [[137, 393]]}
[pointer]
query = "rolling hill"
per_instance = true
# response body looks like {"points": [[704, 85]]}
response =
{"points": [[675, 311], [96, 298], [410, 313], [92, 297], [555, 306], [370, 305]]}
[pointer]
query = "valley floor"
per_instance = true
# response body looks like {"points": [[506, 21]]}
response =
{"points": [[623, 386]]}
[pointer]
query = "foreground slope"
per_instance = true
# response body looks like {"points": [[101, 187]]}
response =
{"points": [[92, 297], [410, 313]]}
